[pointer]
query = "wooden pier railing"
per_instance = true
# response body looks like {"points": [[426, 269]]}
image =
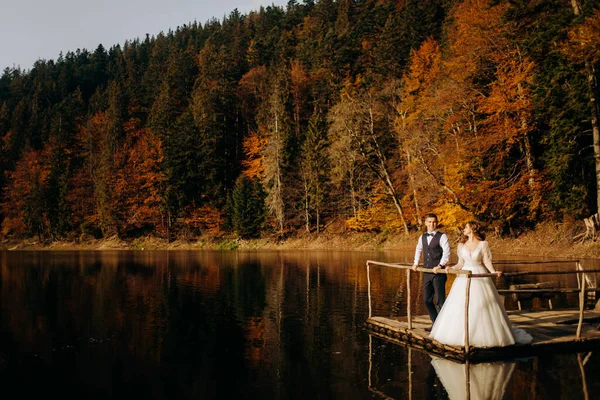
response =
{"points": [[579, 271]]}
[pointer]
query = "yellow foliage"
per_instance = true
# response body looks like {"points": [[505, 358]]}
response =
{"points": [[584, 41], [379, 216], [424, 65], [451, 216], [454, 174], [254, 145]]}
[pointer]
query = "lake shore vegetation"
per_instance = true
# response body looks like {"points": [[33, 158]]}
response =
{"points": [[548, 240]]}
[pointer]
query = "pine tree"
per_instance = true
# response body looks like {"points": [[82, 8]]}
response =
{"points": [[313, 169], [275, 122], [248, 210]]}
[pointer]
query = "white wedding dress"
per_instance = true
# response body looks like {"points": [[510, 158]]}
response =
{"points": [[489, 325], [487, 381]]}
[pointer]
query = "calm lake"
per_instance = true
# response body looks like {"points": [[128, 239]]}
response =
{"points": [[264, 324]]}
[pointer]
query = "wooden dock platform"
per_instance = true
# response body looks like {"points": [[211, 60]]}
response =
{"points": [[552, 330]]}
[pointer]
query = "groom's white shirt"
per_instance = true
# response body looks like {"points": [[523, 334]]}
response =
{"points": [[444, 242]]}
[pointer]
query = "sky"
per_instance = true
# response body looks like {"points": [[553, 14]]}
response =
{"points": [[41, 29]]}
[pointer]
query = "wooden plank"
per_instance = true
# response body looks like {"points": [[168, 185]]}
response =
{"points": [[547, 328]]}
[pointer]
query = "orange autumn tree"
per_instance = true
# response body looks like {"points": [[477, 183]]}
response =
{"points": [[510, 182], [427, 123], [253, 146], [207, 219], [468, 67], [138, 184], [417, 123], [252, 90], [467, 117], [502, 182], [24, 206]]}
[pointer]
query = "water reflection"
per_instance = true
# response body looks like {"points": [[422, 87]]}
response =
{"points": [[434, 377], [179, 325], [184, 324], [482, 381], [401, 372]]}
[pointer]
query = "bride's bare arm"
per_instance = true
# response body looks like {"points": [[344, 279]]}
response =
{"points": [[487, 259]]}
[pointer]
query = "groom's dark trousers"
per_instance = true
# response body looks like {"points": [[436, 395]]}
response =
{"points": [[434, 285]]}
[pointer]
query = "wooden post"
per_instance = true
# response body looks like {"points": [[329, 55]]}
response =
{"points": [[467, 315], [410, 373], [369, 289], [581, 363], [590, 282], [408, 299], [581, 306], [468, 380], [370, 356], [578, 267]]}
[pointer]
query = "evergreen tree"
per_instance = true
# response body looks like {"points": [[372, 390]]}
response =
{"points": [[248, 210], [313, 169], [273, 120], [559, 108], [67, 117]]}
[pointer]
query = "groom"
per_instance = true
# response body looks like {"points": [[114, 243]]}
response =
{"points": [[436, 253]]}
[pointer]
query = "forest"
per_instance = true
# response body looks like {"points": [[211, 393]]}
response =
{"points": [[359, 114]]}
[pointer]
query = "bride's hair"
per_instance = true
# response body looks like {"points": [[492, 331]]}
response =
{"points": [[477, 231]]}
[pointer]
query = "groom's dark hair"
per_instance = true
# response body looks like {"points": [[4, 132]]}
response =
{"points": [[431, 215]]}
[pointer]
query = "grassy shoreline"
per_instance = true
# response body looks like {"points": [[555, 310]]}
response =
{"points": [[548, 240]]}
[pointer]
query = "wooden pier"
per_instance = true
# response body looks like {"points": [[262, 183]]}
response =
{"points": [[557, 331]]}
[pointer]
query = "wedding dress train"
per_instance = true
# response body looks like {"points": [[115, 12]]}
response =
{"points": [[489, 325]]}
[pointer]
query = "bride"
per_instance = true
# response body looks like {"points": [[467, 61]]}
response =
{"points": [[488, 322]]}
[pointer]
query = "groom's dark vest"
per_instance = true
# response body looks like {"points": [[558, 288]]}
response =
{"points": [[432, 252]]}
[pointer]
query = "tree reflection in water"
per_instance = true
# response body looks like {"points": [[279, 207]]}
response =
{"points": [[199, 324]]}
